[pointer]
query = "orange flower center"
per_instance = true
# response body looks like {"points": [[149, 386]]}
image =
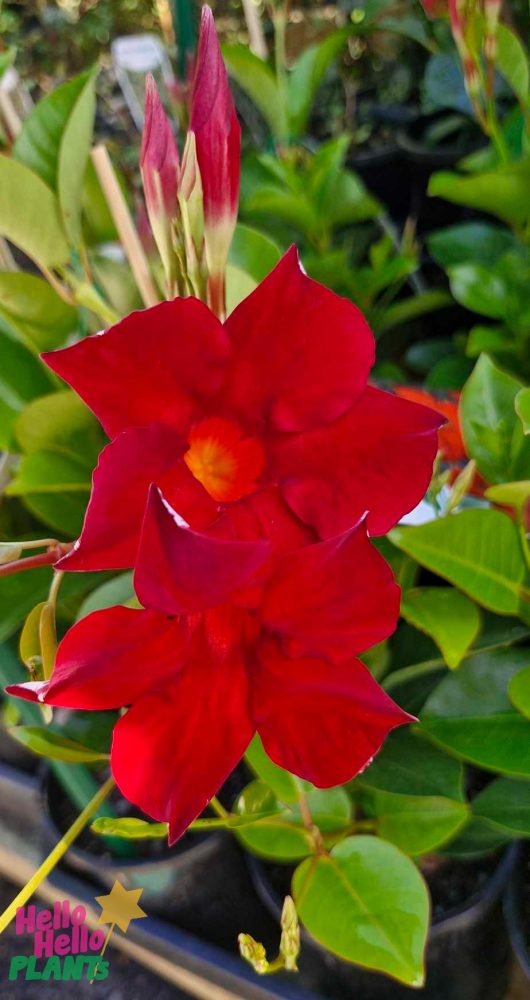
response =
{"points": [[223, 460]]}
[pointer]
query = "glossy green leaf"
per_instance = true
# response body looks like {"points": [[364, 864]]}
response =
{"points": [[506, 804], [253, 252], [239, 286], [119, 590], [49, 744], [48, 472], [62, 423], [470, 714], [510, 494], [477, 838], [55, 141], [477, 242], [450, 618], [307, 75], [519, 691], [20, 592], [408, 764], [377, 906], [522, 408], [512, 62], [282, 783], [503, 192], [256, 78], [22, 188], [416, 824], [73, 157], [492, 433], [481, 290], [32, 308], [63, 512], [476, 550], [283, 835]]}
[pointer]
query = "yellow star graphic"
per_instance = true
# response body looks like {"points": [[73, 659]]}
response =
{"points": [[120, 906]]}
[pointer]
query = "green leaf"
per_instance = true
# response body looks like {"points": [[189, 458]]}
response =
{"points": [[47, 472], [492, 433], [55, 141], [416, 824], [282, 783], [408, 764], [60, 422], [34, 310], [73, 157], [503, 192], [239, 286], [19, 594], [376, 910], [479, 289], [476, 550], [506, 804], [477, 838], [119, 590], [48, 744], [512, 62], [256, 78], [281, 834], [510, 494], [253, 252], [307, 75], [24, 199], [522, 408], [450, 618], [29, 643], [470, 714], [519, 691], [470, 242], [130, 828]]}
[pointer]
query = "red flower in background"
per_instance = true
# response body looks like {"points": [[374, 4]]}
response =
{"points": [[234, 639], [268, 419]]}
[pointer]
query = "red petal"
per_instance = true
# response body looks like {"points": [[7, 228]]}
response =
{"points": [[179, 571], [322, 722], [214, 122], [155, 365], [301, 353], [126, 469], [378, 458], [173, 750], [334, 599], [111, 658], [265, 514]]}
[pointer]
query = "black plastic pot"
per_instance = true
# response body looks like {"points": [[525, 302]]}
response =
{"points": [[422, 161], [202, 883], [517, 908], [467, 952]]}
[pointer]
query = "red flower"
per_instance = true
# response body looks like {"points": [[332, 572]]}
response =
{"points": [[267, 418], [213, 121], [234, 639], [450, 440]]}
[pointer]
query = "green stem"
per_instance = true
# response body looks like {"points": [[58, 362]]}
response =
{"points": [[219, 808], [55, 856]]}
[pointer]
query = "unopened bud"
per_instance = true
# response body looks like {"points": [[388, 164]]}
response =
{"points": [[254, 953], [290, 939], [9, 552], [48, 638], [462, 485]]}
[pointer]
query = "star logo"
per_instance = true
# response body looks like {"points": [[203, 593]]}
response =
{"points": [[120, 906]]}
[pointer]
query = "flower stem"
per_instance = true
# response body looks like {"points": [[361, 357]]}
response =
{"points": [[55, 856], [218, 808], [32, 562]]}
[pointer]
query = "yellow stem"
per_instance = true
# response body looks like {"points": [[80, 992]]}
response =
{"points": [[55, 856]]}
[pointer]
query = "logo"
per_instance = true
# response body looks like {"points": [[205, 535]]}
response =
{"points": [[66, 946]]}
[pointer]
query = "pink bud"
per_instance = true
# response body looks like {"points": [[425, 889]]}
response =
{"points": [[217, 133], [159, 164]]}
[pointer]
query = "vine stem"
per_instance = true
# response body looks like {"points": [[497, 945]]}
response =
{"points": [[56, 854]]}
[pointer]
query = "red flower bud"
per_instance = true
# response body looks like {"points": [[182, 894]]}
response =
{"points": [[217, 133], [159, 164]]}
